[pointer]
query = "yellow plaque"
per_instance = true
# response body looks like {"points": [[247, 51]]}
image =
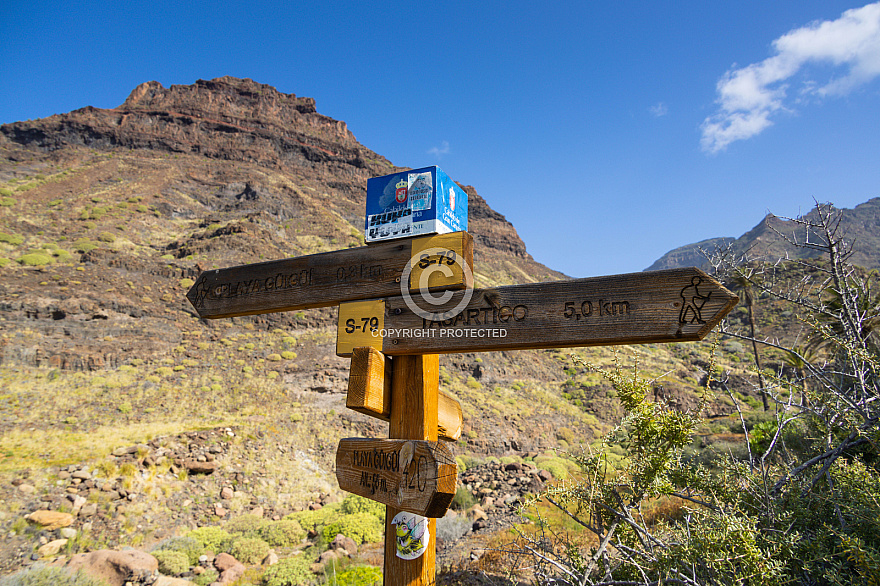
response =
{"points": [[439, 260], [360, 324]]}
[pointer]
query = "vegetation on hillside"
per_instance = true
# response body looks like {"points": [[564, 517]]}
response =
{"points": [[801, 503]]}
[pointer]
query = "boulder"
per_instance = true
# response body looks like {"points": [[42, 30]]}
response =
{"points": [[346, 543], [50, 520], [115, 567], [196, 467], [51, 548], [224, 561]]}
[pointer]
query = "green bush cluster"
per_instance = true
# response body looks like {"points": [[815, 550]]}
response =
{"points": [[358, 576], [248, 524], [42, 575], [186, 545], [361, 527], [311, 520], [353, 504], [249, 550], [463, 499], [84, 245], [283, 533], [292, 571], [11, 239], [209, 576], [36, 259], [171, 563], [212, 538]]}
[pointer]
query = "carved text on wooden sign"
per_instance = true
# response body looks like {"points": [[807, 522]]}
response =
{"points": [[410, 475], [677, 305]]}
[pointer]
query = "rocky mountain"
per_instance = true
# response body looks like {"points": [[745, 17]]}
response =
{"points": [[113, 391], [772, 238]]}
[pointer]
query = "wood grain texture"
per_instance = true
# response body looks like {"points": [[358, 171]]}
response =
{"points": [[321, 280], [414, 395], [676, 305], [369, 383], [410, 475], [369, 392]]}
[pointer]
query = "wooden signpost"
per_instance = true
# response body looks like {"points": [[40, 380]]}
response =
{"points": [[329, 278], [395, 342], [676, 305]]}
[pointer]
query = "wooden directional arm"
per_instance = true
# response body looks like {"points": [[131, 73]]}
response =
{"points": [[369, 392], [677, 305], [329, 278]]}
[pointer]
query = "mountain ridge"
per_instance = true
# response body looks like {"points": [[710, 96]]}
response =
{"points": [[774, 236]]}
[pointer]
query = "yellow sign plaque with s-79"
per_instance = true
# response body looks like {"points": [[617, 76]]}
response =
{"points": [[360, 325]]}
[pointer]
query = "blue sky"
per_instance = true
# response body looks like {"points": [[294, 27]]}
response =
{"points": [[607, 132]]}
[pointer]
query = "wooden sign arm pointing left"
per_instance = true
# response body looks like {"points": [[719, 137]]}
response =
{"points": [[329, 278]]}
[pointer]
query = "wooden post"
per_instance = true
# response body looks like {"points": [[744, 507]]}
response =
{"points": [[414, 395]]}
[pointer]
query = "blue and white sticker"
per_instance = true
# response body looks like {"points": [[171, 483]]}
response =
{"points": [[420, 190]]}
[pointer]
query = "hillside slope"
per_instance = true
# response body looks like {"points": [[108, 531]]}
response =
{"points": [[107, 216]]}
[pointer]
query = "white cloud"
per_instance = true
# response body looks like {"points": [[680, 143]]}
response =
{"points": [[749, 96], [439, 151], [659, 109]]}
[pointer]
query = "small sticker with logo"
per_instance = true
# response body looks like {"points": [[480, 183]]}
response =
{"points": [[421, 188], [412, 535]]}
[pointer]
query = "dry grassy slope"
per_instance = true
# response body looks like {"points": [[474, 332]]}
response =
{"points": [[99, 348]]}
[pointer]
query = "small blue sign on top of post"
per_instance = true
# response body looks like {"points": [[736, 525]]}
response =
{"points": [[413, 203]]}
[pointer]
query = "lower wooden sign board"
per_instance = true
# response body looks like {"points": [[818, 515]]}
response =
{"points": [[436, 262], [675, 305], [410, 475], [369, 392]]}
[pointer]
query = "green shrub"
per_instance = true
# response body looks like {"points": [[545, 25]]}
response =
{"points": [[353, 504], [171, 563], [463, 499], [292, 571], [208, 577], [359, 576], [212, 538], [107, 237], [7, 202], [361, 527], [13, 239], [311, 520], [288, 355], [555, 465], [245, 525], [4, 261], [84, 245], [284, 533], [42, 575], [186, 545], [249, 550], [5, 192], [35, 259]]}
